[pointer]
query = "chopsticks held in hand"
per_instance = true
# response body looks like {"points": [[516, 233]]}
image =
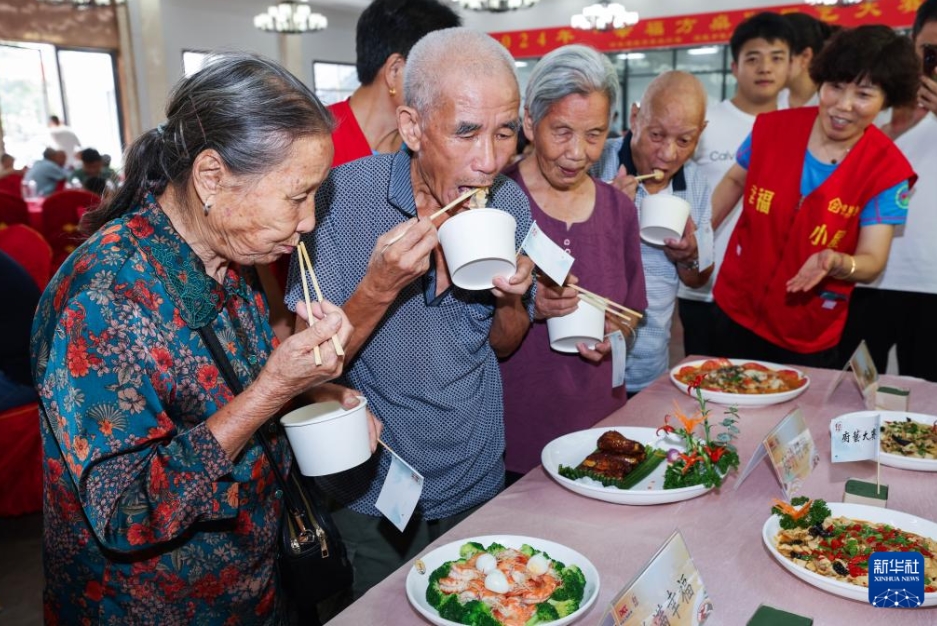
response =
{"points": [[306, 264], [446, 208], [609, 306]]}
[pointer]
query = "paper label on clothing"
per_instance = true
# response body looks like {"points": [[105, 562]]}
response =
{"points": [[619, 354], [704, 246], [552, 260], [400, 492]]}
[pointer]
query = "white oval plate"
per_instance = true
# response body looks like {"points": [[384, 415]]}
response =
{"points": [[897, 460], [571, 449], [862, 512], [742, 399], [417, 582]]}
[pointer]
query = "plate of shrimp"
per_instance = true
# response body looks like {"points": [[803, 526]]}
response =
{"points": [[502, 579]]}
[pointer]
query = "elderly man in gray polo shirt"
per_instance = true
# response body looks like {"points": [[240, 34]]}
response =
{"points": [[663, 136], [424, 351]]}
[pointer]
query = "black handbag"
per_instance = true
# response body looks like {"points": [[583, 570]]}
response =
{"points": [[312, 563]]}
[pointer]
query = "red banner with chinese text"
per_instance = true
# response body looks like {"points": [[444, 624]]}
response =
{"points": [[699, 29]]}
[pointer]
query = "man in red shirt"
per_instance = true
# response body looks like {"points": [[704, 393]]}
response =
{"points": [[387, 29]]}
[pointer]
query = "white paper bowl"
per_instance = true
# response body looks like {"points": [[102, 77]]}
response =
{"points": [[584, 325], [663, 216], [479, 245], [326, 438]]}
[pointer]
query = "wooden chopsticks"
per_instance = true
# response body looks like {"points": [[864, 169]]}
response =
{"points": [[609, 306], [306, 264]]}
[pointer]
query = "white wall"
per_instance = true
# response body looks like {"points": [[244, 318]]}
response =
{"points": [[162, 29]]}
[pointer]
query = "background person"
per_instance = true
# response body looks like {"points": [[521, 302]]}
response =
{"points": [[384, 35], [566, 117], [813, 226], [62, 137], [21, 294], [899, 308], [664, 133], [423, 351], [47, 172], [810, 35], [761, 49], [159, 503]]}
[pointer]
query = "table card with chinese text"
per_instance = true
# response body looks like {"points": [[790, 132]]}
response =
{"points": [[792, 451], [668, 591], [854, 437]]}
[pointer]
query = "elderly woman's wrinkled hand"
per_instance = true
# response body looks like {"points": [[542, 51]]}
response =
{"points": [[349, 399], [519, 283], [291, 368], [553, 300], [601, 350], [401, 255]]}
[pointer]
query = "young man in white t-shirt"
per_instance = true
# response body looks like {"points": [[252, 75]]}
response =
{"points": [[761, 60], [900, 308]]}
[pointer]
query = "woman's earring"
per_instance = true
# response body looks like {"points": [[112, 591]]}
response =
{"points": [[393, 91], [207, 207]]}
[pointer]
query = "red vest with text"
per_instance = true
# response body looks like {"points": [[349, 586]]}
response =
{"points": [[778, 230]]}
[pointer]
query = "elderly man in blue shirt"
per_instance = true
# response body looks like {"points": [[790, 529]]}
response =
{"points": [[48, 171], [665, 129], [424, 351]]}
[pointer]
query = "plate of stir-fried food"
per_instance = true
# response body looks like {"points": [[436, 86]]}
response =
{"points": [[828, 545], [909, 441], [740, 382], [621, 464], [503, 580]]}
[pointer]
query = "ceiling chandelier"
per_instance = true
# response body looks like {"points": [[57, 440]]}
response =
{"points": [[83, 4], [290, 17], [604, 16], [496, 6]]}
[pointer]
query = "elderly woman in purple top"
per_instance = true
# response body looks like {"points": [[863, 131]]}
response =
{"points": [[567, 115]]}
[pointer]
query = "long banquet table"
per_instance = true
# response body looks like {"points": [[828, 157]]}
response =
{"points": [[722, 529]]}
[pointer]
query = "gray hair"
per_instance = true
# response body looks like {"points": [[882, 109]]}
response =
{"points": [[247, 108], [570, 70], [452, 50]]}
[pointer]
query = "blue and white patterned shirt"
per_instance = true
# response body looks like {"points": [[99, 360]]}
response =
{"points": [[650, 355], [428, 370]]}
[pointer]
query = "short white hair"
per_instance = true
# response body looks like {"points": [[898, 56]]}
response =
{"points": [[571, 70], [463, 51]]}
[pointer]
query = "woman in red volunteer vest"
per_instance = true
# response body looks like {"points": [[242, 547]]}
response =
{"points": [[822, 190]]}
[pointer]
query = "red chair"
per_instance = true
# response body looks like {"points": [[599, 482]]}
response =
{"points": [[20, 461], [12, 183], [28, 248], [60, 213], [13, 210]]}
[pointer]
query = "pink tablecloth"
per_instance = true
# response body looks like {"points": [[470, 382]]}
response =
{"points": [[723, 530]]}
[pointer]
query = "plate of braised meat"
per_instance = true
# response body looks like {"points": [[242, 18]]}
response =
{"points": [[622, 465]]}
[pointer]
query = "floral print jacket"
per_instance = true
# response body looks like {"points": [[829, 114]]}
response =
{"points": [[146, 519]]}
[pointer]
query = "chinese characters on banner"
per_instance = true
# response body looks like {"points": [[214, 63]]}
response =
{"points": [[699, 29]]}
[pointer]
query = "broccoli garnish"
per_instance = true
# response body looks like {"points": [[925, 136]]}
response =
{"points": [[434, 596], [527, 550], [546, 612], [495, 549], [565, 607], [573, 587], [470, 549], [474, 612]]}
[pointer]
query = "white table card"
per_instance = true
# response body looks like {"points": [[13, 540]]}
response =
{"points": [[400, 492], [792, 451], [668, 590], [552, 260]]}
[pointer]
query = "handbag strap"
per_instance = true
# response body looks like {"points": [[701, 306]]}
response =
{"points": [[227, 372]]}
